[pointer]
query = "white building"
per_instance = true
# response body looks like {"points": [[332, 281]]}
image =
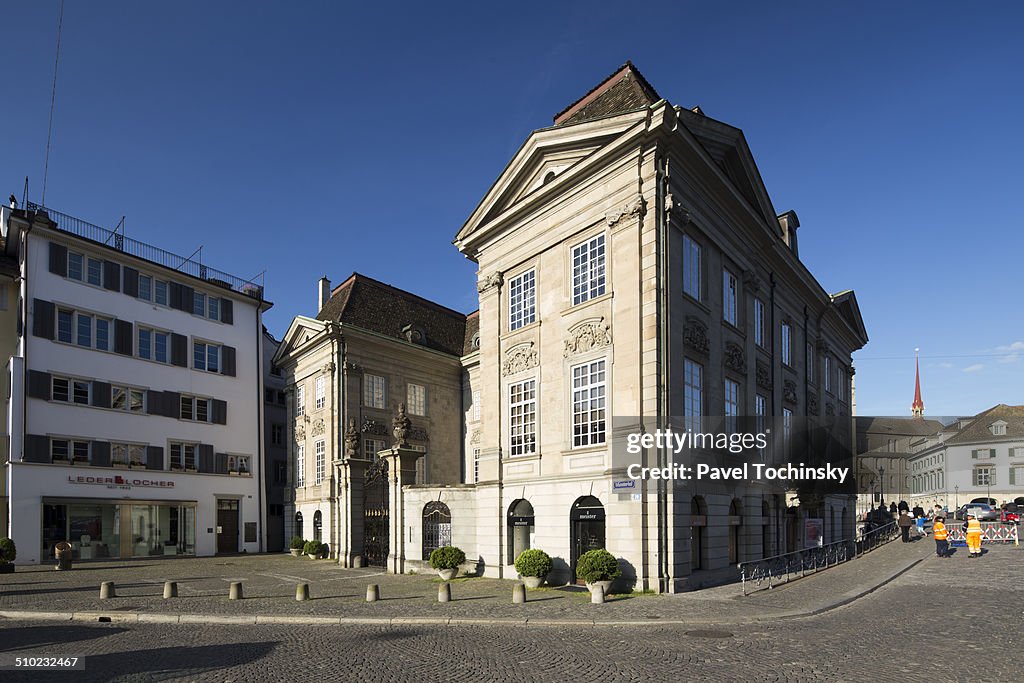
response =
{"points": [[136, 407]]}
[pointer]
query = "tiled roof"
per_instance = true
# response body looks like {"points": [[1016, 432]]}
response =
{"points": [[977, 430], [898, 426], [624, 90], [472, 330], [373, 305]]}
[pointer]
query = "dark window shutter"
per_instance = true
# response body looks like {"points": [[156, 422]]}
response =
{"points": [[206, 463], [58, 259], [227, 361], [172, 404], [101, 394], [36, 449], [221, 463], [154, 457], [112, 276], [101, 453], [220, 412], [179, 350], [974, 454], [131, 282], [123, 342], [187, 294], [39, 384], [44, 319], [174, 296], [227, 311], [154, 402]]}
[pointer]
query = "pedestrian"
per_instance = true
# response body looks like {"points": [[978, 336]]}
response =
{"points": [[973, 529], [905, 522], [941, 537], [918, 512], [937, 512], [892, 508]]}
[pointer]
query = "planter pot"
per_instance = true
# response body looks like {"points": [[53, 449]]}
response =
{"points": [[533, 581], [607, 585], [295, 551], [313, 557], [7, 568], [448, 574]]}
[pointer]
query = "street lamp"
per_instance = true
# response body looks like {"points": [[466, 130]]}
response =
{"points": [[881, 484]]}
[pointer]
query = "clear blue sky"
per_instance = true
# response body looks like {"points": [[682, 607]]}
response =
{"points": [[321, 138]]}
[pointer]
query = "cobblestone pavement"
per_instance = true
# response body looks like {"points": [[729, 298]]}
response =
{"points": [[944, 620], [269, 586]]}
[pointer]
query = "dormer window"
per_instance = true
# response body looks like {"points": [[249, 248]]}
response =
{"points": [[414, 334], [998, 428], [548, 177]]}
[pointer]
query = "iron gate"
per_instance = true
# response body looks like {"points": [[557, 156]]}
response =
{"points": [[375, 514], [437, 527]]}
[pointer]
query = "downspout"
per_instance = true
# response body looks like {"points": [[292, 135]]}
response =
{"points": [[501, 466], [662, 226], [260, 427]]}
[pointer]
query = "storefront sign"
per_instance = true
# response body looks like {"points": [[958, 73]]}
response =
{"points": [[119, 482], [520, 521]]}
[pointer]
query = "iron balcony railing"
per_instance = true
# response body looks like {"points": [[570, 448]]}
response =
{"points": [[191, 265], [877, 537], [768, 571]]}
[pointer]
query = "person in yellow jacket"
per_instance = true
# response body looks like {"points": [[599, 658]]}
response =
{"points": [[973, 536], [941, 535]]}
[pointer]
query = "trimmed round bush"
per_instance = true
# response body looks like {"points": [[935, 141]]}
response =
{"points": [[8, 551], [314, 548], [448, 557], [297, 543], [597, 565], [533, 562]]}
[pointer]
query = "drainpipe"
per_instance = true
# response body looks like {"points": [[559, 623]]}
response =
{"points": [[261, 454], [662, 226], [501, 466]]}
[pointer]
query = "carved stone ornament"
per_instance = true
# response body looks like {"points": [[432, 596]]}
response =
{"points": [[633, 208], [374, 427], [489, 282], [751, 281], [789, 391], [418, 434], [400, 427], [735, 359], [695, 335], [349, 365], [677, 210], [812, 404], [327, 368], [317, 429], [764, 376], [586, 336], [300, 433], [519, 358], [830, 410], [475, 438], [823, 346], [351, 439]]}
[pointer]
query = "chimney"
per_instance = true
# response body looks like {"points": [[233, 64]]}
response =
{"points": [[789, 223], [323, 293]]}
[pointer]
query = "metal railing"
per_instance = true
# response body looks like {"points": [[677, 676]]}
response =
{"points": [[877, 537], [191, 265], [784, 568]]}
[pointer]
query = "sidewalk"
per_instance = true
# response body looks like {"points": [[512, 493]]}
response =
{"points": [[339, 594]]}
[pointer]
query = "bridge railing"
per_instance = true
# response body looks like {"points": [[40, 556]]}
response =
{"points": [[769, 571]]}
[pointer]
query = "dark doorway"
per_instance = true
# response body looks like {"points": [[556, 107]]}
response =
{"points": [[375, 514], [586, 522], [227, 526], [520, 528]]}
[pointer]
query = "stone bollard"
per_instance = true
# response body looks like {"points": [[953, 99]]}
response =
{"points": [[236, 591], [170, 589], [302, 592], [518, 593], [597, 595], [357, 562], [444, 592], [107, 590], [372, 593]]}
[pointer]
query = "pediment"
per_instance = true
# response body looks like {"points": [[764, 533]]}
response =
{"points": [[301, 332]]}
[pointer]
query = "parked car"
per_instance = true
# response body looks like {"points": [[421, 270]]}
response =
{"points": [[981, 511], [1010, 514], [983, 501]]}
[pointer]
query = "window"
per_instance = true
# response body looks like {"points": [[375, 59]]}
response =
{"points": [[760, 412], [787, 344], [732, 405], [999, 429], [145, 287], [240, 465], [759, 324], [60, 389], [80, 451], [1016, 476], [828, 373], [300, 465], [195, 408], [809, 359], [840, 383], [102, 334], [730, 289], [84, 328], [70, 390], [75, 266], [94, 272], [183, 455], [321, 395], [588, 404], [198, 303], [153, 344], [691, 267], [588, 270], [476, 406], [59, 449], [416, 397], [206, 356], [70, 449], [126, 398], [320, 457], [65, 325], [693, 387], [300, 401], [371, 447], [124, 454], [213, 308], [476, 466], [276, 434], [374, 391], [523, 417], [984, 476], [522, 300], [160, 292], [787, 430]]}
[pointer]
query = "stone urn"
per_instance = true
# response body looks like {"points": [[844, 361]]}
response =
{"points": [[607, 585], [533, 581], [296, 552], [448, 574]]}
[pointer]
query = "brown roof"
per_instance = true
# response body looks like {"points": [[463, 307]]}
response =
{"points": [[977, 430], [472, 330], [898, 426], [373, 305], [624, 90]]}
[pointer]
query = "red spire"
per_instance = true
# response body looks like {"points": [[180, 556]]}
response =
{"points": [[917, 407]]}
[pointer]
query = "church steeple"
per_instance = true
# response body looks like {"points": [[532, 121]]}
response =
{"points": [[917, 407]]}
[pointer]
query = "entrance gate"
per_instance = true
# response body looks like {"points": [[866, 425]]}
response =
{"points": [[375, 514]]}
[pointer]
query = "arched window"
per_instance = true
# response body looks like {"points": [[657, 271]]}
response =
{"points": [[698, 522], [735, 520], [437, 527], [298, 524], [586, 527], [520, 528], [317, 526]]}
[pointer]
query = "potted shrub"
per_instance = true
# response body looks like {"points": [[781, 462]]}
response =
{"points": [[598, 568], [533, 566], [8, 552], [446, 561], [296, 546], [314, 549]]}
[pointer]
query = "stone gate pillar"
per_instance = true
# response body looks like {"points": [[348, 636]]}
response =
{"points": [[351, 475], [401, 472]]}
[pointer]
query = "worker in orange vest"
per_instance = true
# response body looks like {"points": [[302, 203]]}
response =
{"points": [[973, 536], [941, 537]]}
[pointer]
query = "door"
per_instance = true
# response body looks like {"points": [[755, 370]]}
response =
{"points": [[586, 520], [227, 526]]}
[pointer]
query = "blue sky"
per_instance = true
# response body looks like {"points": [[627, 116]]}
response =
{"points": [[321, 138]]}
